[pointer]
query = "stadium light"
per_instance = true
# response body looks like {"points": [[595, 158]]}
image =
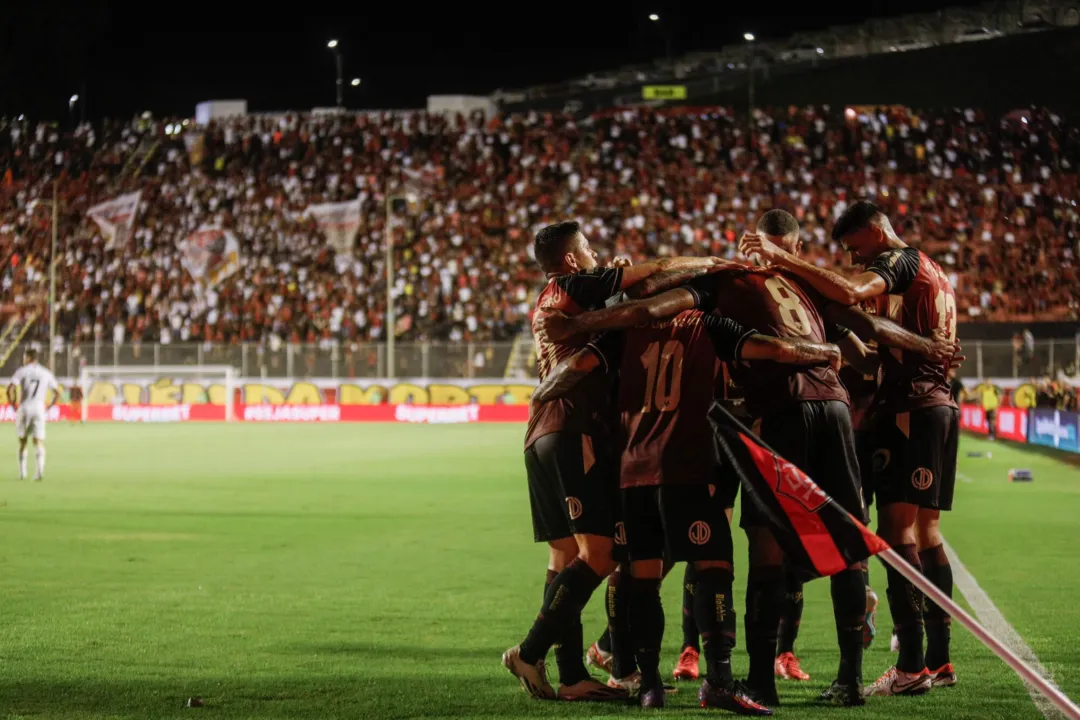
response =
{"points": [[355, 82], [748, 37], [72, 100], [654, 17], [332, 44], [821, 51]]}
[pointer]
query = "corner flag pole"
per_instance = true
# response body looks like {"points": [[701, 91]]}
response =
{"points": [[1028, 674]]}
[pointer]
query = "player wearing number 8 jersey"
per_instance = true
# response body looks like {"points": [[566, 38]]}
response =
{"points": [[914, 427], [32, 383]]}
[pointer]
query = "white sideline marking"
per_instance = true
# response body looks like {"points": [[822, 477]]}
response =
{"points": [[996, 623], [963, 477]]}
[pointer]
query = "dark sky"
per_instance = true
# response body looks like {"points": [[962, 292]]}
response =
{"points": [[166, 56]]}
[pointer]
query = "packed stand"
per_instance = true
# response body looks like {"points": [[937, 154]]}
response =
{"points": [[992, 199]]}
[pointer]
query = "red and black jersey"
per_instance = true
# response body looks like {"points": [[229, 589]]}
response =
{"points": [[571, 294], [778, 304], [921, 299], [668, 375]]}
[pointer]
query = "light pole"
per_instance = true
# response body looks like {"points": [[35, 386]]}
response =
{"points": [[749, 38], [340, 86], [390, 319], [52, 274], [653, 17]]}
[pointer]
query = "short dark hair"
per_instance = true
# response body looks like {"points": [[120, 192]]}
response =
{"points": [[31, 354], [855, 218], [778, 222], [551, 242]]}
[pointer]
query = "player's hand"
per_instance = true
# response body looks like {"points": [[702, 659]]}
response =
{"points": [[942, 348], [554, 326], [956, 362], [621, 262], [754, 244]]}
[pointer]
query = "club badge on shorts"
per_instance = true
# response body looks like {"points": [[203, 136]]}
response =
{"points": [[700, 532], [573, 506], [922, 478]]}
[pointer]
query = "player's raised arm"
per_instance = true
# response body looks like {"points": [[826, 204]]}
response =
{"points": [[557, 327], [938, 347], [836, 287]]}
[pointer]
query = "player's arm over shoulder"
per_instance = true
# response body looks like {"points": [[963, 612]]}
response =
{"points": [[602, 352], [734, 342], [896, 268]]}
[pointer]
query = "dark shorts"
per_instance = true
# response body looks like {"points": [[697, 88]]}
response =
{"points": [[680, 523], [816, 437], [573, 488], [915, 457]]}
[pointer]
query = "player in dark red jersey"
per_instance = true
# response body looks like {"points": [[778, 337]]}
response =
{"points": [[915, 427], [803, 413], [668, 476], [571, 477]]}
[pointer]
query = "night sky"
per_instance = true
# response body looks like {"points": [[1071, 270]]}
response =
{"points": [[166, 56]]}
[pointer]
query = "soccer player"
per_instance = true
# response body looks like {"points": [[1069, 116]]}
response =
{"points": [[915, 427], [33, 382], [572, 484], [803, 414], [668, 478]]}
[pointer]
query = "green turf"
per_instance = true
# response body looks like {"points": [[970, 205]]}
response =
{"points": [[300, 571]]}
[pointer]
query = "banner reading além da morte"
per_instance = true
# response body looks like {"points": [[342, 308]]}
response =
{"points": [[339, 222], [115, 218], [210, 254], [815, 533]]}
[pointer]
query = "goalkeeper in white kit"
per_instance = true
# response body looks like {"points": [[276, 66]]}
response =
{"points": [[34, 382]]}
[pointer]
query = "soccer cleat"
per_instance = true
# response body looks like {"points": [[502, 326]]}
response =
{"points": [[688, 665], [652, 698], [843, 695], [598, 658], [764, 695], [870, 626], [944, 676], [533, 677], [787, 667], [591, 690], [632, 684], [898, 682], [731, 699]]}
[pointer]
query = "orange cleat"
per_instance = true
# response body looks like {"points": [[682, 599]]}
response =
{"points": [[687, 667], [788, 668]]}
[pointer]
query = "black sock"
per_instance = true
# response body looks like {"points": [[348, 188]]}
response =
{"points": [[566, 595], [849, 611], [617, 607], [689, 626], [714, 613], [764, 596], [906, 606], [551, 575], [604, 641], [647, 627], [936, 568], [570, 653], [791, 615]]}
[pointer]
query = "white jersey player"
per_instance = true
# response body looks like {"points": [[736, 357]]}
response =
{"points": [[33, 382]]}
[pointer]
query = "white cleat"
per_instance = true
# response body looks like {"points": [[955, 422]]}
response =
{"points": [[597, 658], [898, 682], [533, 677]]}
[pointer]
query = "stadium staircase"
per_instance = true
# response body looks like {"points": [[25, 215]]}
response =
{"points": [[13, 333], [522, 357]]}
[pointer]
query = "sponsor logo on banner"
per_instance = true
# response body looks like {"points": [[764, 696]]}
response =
{"points": [[292, 413], [144, 413], [339, 222], [115, 218], [1055, 428], [210, 254], [436, 415], [1012, 423], [7, 413]]}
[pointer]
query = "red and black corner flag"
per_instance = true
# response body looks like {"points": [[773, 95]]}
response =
{"points": [[812, 529]]}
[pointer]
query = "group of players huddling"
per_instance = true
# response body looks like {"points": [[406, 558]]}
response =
{"points": [[622, 466]]}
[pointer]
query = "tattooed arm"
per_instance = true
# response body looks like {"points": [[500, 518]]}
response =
{"points": [[790, 351], [937, 347], [557, 327], [566, 375]]}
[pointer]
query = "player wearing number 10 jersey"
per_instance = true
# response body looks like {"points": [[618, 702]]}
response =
{"points": [[33, 382], [914, 428]]}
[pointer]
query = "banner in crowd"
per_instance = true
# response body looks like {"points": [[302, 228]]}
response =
{"points": [[1012, 423], [210, 254], [115, 218], [1055, 428], [339, 222]]}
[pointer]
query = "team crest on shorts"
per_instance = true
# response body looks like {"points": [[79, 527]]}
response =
{"points": [[880, 459], [573, 506], [922, 478], [700, 532], [620, 534]]}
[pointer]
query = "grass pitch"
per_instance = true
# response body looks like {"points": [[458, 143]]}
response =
{"points": [[364, 571]]}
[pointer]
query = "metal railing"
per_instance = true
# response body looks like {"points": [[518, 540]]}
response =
{"points": [[985, 358]]}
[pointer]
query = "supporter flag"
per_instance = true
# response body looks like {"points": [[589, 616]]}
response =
{"points": [[813, 530], [115, 218], [339, 222], [210, 254]]}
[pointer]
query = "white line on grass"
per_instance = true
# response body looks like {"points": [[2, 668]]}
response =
{"points": [[996, 623], [963, 477]]}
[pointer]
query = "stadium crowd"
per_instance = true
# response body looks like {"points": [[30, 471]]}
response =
{"points": [[992, 199]]}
